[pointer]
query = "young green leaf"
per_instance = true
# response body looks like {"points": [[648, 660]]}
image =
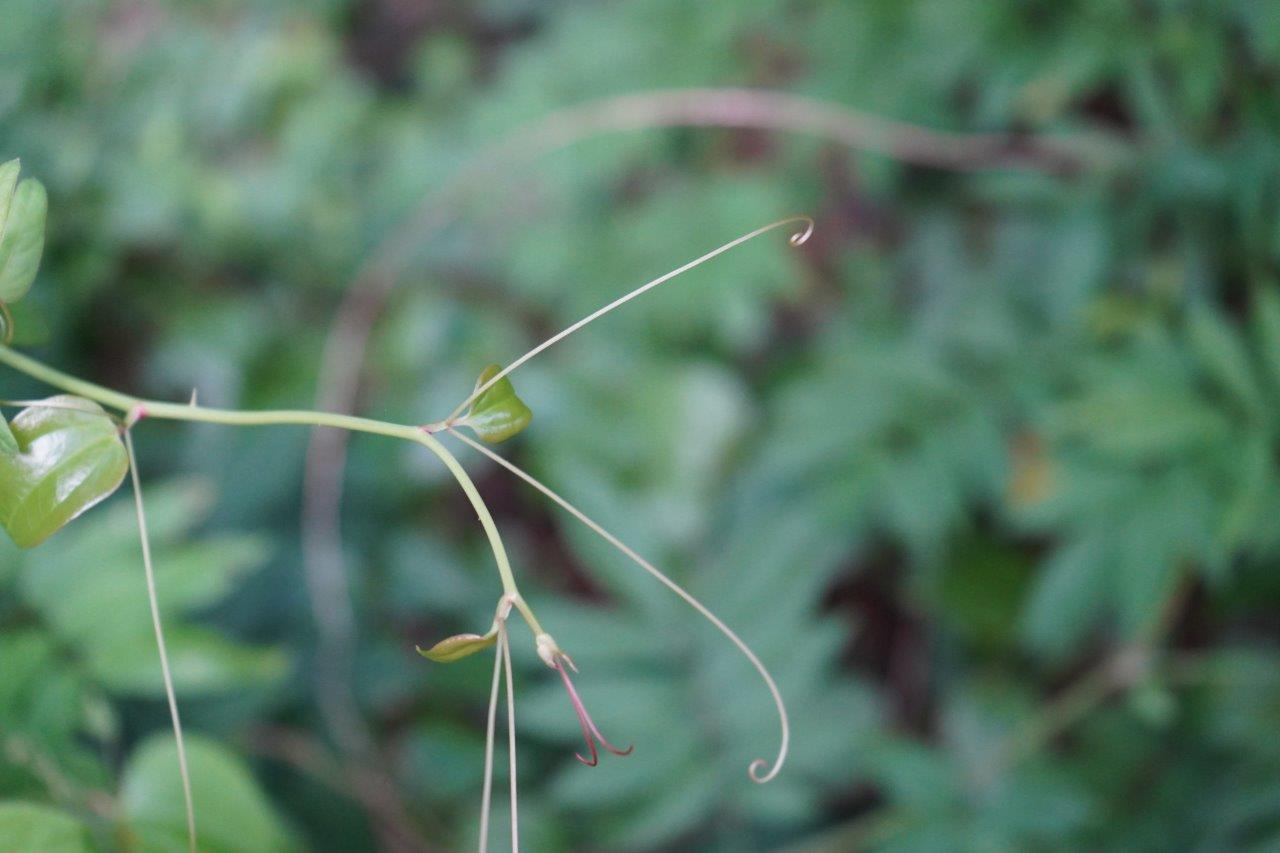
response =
{"points": [[458, 647], [69, 458], [22, 236], [498, 413]]}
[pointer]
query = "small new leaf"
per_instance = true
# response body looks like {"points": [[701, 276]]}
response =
{"points": [[498, 413], [458, 647], [23, 209], [69, 457]]}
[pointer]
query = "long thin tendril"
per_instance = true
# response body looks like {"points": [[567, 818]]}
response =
{"points": [[511, 732], [796, 239], [487, 797], [149, 570], [757, 766]]}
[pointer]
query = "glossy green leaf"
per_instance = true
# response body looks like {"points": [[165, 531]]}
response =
{"points": [[232, 811], [498, 413], [458, 647], [35, 828], [22, 239], [69, 458]]}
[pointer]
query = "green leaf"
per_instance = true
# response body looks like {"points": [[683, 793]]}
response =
{"points": [[34, 828], [1066, 599], [105, 611], [22, 241], [458, 647], [232, 811], [70, 458], [1222, 354], [8, 183], [204, 663], [49, 707], [8, 444], [1266, 323], [1129, 424], [498, 413]]}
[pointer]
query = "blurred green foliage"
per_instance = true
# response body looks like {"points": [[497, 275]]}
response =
{"points": [[987, 472]]}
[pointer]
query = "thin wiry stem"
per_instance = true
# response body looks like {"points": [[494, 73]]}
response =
{"points": [[139, 408], [487, 798], [154, 600], [796, 239], [511, 732], [365, 298], [754, 770]]}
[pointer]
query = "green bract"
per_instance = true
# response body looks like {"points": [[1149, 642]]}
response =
{"points": [[69, 457], [458, 647], [23, 207], [498, 413]]}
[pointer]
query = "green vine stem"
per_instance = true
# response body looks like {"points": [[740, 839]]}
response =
{"points": [[136, 408]]}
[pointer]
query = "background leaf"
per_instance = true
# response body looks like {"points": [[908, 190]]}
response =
{"points": [[22, 239], [994, 436], [232, 811], [33, 828], [104, 612], [8, 183]]}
